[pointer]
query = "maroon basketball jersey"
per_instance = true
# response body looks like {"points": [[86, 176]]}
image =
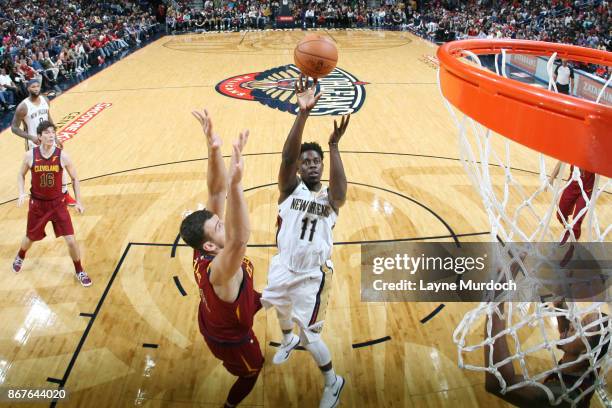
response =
{"points": [[588, 179], [221, 321], [46, 175]]}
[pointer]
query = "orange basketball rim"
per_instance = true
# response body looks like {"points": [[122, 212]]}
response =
{"points": [[573, 130]]}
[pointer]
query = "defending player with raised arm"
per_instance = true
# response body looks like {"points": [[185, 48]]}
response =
{"points": [[47, 164], [299, 279], [228, 300]]}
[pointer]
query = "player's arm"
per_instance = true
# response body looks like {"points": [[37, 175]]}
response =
{"points": [[528, 396], [555, 173], [49, 112], [306, 99], [57, 141], [76, 185], [555, 73], [562, 323], [216, 175], [20, 115], [23, 170], [576, 346], [237, 228], [337, 178]]}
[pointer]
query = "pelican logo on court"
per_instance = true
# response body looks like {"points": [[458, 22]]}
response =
{"points": [[341, 92]]}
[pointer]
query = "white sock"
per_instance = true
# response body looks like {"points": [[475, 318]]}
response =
{"points": [[330, 377], [287, 337]]}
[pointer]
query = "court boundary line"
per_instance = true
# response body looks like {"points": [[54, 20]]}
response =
{"points": [[433, 313], [242, 39], [371, 342], [150, 345], [77, 351], [331, 36], [179, 285]]}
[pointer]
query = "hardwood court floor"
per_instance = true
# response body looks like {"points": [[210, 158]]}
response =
{"points": [[141, 162]]}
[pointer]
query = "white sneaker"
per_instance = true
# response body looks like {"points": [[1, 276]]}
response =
{"points": [[331, 394], [284, 350]]}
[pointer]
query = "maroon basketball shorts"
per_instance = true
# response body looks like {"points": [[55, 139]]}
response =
{"points": [[242, 360], [41, 212]]}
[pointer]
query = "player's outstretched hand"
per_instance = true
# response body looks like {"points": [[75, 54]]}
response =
{"points": [[237, 162], [213, 140], [339, 130], [79, 207], [243, 139], [305, 94], [22, 199]]}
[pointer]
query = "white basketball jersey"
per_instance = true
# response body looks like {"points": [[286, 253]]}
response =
{"points": [[305, 222], [34, 116]]}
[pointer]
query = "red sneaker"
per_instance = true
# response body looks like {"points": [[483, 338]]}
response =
{"points": [[83, 278], [69, 200], [17, 263]]}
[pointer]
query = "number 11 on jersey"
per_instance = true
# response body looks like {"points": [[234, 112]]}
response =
{"points": [[305, 221]]}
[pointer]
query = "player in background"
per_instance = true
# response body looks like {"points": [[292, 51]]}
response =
{"points": [[300, 274], [573, 200], [47, 163], [564, 78], [30, 112], [228, 300]]}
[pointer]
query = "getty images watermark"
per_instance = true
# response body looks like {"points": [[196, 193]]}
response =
{"points": [[451, 272]]}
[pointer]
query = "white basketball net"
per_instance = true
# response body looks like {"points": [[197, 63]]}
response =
{"points": [[523, 208]]}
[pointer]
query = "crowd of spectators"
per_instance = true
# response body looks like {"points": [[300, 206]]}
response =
{"points": [[583, 23], [54, 40], [226, 15], [579, 22]]}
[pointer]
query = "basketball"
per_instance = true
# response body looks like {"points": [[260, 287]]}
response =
{"points": [[316, 56]]}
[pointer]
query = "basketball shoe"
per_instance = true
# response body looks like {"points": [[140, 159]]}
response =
{"points": [[17, 263], [331, 394], [83, 278], [284, 350], [69, 200]]}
